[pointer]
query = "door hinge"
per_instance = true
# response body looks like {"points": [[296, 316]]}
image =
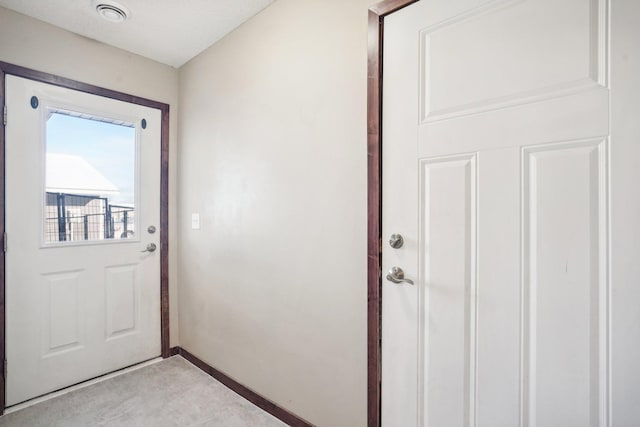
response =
{"points": [[4, 114], [5, 369], [4, 241]]}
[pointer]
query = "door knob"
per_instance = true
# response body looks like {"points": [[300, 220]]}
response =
{"points": [[396, 275], [151, 247]]}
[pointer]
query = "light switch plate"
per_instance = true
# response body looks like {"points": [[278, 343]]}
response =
{"points": [[195, 221]]}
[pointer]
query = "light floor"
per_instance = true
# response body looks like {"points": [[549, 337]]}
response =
{"points": [[171, 392]]}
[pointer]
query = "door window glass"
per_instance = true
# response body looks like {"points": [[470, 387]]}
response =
{"points": [[89, 178]]}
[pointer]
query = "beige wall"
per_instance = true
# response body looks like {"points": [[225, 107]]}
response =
{"points": [[273, 158], [30, 43]]}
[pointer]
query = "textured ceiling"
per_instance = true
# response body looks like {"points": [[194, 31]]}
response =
{"points": [[168, 31]]}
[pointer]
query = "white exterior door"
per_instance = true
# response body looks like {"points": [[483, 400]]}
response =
{"points": [[81, 298], [511, 147]]}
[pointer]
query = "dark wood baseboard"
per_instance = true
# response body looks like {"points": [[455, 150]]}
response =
{"points": [[253, 397]]}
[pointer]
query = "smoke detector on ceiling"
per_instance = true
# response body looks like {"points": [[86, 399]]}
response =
{"points": [[111, 11]]}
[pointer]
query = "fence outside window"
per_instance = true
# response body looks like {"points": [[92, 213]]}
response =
{"points": [[78, 217]]}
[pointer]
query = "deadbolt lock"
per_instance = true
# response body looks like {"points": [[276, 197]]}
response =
{"points": [[396, 241]]}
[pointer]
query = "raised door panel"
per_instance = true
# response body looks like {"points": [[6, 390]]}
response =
{"points": [[448, 303], [468, 64], [122, 295], [62, 320], [565, 285]]}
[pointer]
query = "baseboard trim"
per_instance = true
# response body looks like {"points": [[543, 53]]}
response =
{"points": [[253, 397]]}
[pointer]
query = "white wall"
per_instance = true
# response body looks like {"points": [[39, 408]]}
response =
{"points": [[273, 157], [31, 43]]}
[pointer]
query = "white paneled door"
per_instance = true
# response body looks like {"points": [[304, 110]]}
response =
{"points": [[82, 188], [510, 167]]}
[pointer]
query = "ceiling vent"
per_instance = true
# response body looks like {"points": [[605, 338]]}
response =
{"points": [[111, 11]]}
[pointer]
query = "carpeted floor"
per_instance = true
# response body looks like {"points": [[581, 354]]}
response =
{"points": [[172, 392]]}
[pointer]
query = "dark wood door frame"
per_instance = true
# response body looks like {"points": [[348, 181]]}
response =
{"points": [[377, 14], [15, 70]]}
